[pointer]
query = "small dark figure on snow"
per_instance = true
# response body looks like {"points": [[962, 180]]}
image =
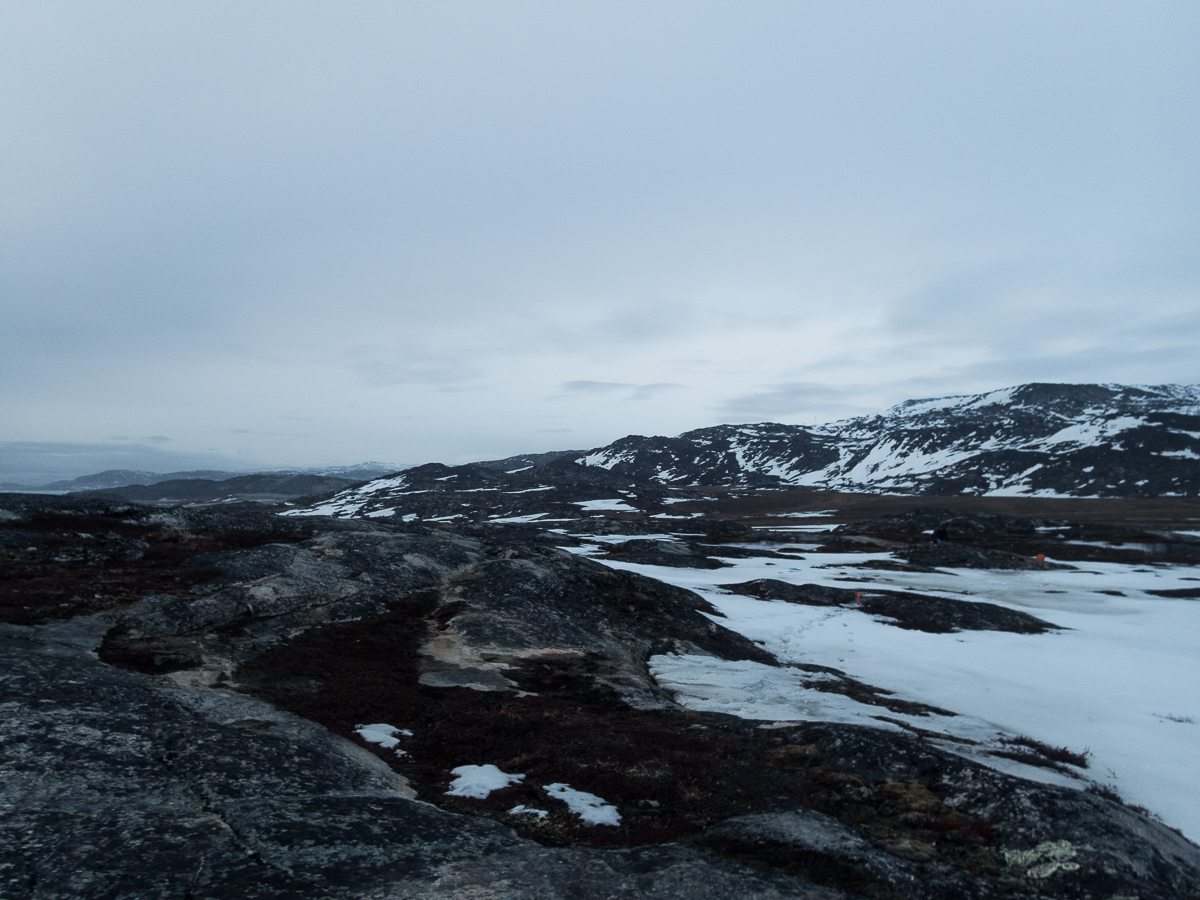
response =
{"points": [[940, 536]]}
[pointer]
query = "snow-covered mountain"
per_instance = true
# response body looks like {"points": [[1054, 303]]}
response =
{"points": [[1046, 440], [1036, 439]]}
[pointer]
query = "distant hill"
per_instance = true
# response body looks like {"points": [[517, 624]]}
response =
{"points": [[241, 487], [114, 482]]}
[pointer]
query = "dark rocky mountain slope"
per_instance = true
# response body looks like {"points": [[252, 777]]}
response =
{"points": [[1035, 439]]}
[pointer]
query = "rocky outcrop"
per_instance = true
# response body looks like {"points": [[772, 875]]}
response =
{"points": [[118, 784], [983, 541], [200, 733], [919, 612]]}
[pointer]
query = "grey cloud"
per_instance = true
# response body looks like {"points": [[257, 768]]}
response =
{"points": [[634, 392], [813, 402], [650, 391], [384, 365], [389, 203], [594, 387]]}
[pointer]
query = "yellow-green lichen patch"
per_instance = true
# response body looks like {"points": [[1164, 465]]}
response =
{"points": [[1045, 859]]}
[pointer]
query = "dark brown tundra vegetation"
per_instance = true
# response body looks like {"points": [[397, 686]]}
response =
{"points": [[182, 693]]}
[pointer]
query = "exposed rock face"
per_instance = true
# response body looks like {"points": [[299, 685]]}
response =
{"points": [[976, 540], [964, 557], [201, 737], [665, 553], [907, 610], [117, 784]]}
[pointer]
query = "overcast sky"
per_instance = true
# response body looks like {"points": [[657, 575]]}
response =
{"points": [[245, 234]]}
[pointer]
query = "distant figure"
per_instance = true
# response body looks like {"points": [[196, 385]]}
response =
{"points": [[940, 536]]}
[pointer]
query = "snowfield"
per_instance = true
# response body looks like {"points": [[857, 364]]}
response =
{"points": [[1119, 679]]}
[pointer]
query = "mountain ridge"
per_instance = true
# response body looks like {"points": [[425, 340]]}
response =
{"points": [[1035, 439]]}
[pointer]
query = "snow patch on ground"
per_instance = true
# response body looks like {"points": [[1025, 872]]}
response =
{"points": [[479, 781], [528, 811], [587, 806], [1118, 680], [600, 505], [385, 735]]}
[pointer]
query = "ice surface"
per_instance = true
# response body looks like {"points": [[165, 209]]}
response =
{"points": [[587, 806], [479, 781]]}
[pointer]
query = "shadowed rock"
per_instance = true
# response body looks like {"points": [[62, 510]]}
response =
{"points": [[919, 612], [664, 553], [963, 557]]}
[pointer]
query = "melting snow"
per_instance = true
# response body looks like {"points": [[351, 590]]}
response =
{"points": [[479, 781], [1119, 680], [384, 735], [587, 806], [597, 505], [527, 810]]}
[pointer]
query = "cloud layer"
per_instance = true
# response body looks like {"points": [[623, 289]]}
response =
{"points": [[314, 234]]}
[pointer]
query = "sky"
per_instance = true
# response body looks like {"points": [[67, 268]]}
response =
{"points": [[314, 233]]}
